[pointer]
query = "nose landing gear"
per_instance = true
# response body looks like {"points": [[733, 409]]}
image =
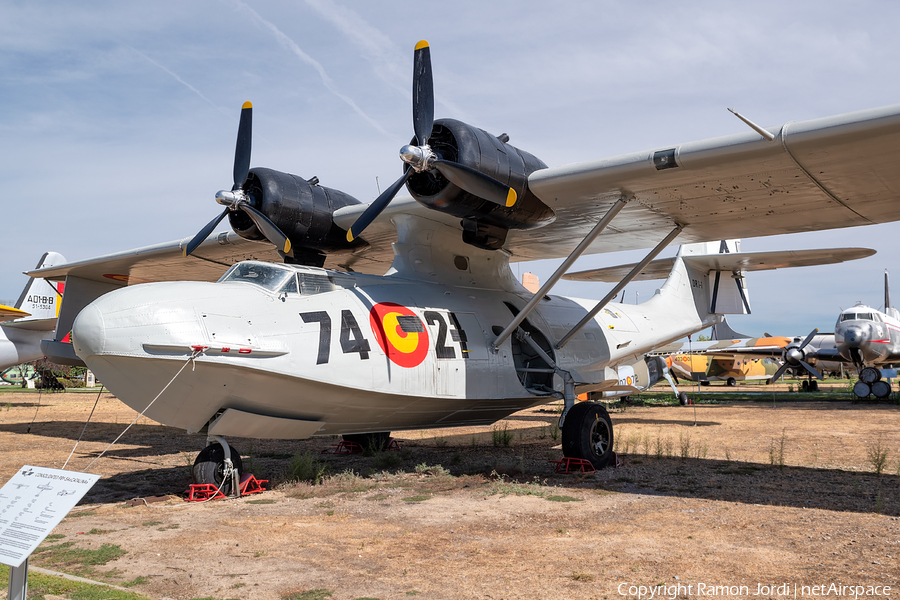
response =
{"points": [[870, 383]]}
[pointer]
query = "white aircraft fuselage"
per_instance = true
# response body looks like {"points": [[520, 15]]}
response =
{"points": [[289, 352], [866, 336]]}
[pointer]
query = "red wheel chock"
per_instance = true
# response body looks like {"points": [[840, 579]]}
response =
{"points": [[345, 447], [570, 465], [200, 492]]}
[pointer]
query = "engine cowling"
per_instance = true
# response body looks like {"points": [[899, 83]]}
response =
{"points": [[485, 224], [302, 210]]}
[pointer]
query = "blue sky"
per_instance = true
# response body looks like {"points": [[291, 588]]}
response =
{"points": [[118, 119]]}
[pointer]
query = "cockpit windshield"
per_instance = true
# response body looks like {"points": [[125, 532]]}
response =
{"points": [[857, 317], [280, 279], [266, 275]]}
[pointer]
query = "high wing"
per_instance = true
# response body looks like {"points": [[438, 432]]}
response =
{"points": [[824, 173]]}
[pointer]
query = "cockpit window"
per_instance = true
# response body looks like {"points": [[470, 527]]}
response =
{"points": [[280, 279], [265, 275], [313, 283], [289, 287], [857, 317]]}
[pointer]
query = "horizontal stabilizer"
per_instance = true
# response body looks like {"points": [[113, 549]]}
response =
{"points": [[736, 261], [8, 312]]}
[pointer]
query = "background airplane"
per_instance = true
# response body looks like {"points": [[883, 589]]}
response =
{"points": [[33, 319]]}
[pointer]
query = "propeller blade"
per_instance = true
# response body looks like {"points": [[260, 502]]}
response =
{"points": [[477, 183], [809, 338], [242, 148], [423, 93], [268, 228], [809, 368], [374, 209], [779, 372], [204, 233]]}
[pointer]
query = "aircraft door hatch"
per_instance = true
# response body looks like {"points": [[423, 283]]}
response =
{"points": [[534, 373]]}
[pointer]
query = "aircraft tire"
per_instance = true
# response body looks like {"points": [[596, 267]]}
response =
{"points": [[370, 442], [731, 382], [588, 433], [704, 383], [862, 390], [683, 398], [209, 466], [814, 386], [881, 389], [870, 375]]}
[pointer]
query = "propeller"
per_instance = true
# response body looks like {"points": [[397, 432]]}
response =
{"points": [[422, 158], [794, 356], [237, 198]]}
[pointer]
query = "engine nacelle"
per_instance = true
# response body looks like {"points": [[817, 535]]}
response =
{"points": [[485, 224], [302, 210]]}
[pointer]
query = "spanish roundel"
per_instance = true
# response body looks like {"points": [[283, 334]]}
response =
{"points": [[400, 333]]}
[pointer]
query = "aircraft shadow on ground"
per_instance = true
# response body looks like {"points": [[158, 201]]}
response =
{"points": [[146, 447]]}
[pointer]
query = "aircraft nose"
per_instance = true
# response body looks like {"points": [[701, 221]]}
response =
{"points": [[855, 336], [88, 332]]}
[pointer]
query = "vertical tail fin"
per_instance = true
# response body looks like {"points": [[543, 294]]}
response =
{"points": [[40, 298], [726, 290]]}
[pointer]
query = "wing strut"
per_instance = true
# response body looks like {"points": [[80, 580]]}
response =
{"points": [[621, 285], [560, 271]]}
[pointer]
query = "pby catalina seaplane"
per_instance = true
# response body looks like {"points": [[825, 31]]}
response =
{"points": [[403, 313]]}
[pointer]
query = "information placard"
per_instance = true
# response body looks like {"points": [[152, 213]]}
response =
{"points": [[32, 503]]}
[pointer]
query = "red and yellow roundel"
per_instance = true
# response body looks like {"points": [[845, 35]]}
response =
{"points": [[405, 347]]}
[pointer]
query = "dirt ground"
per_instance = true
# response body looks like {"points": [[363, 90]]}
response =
{"points": [[742, 493]]}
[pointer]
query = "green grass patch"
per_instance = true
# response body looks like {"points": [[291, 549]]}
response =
{"points": [[40, 585], [564, 499], [84, 513], [78, 561], [420, 498], [262, 501], [151, 523], [141, 580], [96, 531], [319, 594]]}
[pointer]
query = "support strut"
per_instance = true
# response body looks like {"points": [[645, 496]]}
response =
{"points": [[560, 271], [230, 471], [620, 286]]}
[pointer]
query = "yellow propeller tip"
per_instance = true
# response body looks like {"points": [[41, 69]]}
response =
{"points": [[287, 246], [422, 44], [511, 197], [349, 236], [247, 104], [184, 252]]}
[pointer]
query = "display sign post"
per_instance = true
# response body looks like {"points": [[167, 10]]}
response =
{"points": [[32, 503]]}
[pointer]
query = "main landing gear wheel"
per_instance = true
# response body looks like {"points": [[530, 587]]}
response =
{"points": [[374, 442], [813, 385], [588, 433], [209, 467], [683, 398], [881, 389], [730, 382]]}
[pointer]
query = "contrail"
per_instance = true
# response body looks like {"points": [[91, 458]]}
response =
{"points": [[289, 44], [377, 49], [181, 81]]}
